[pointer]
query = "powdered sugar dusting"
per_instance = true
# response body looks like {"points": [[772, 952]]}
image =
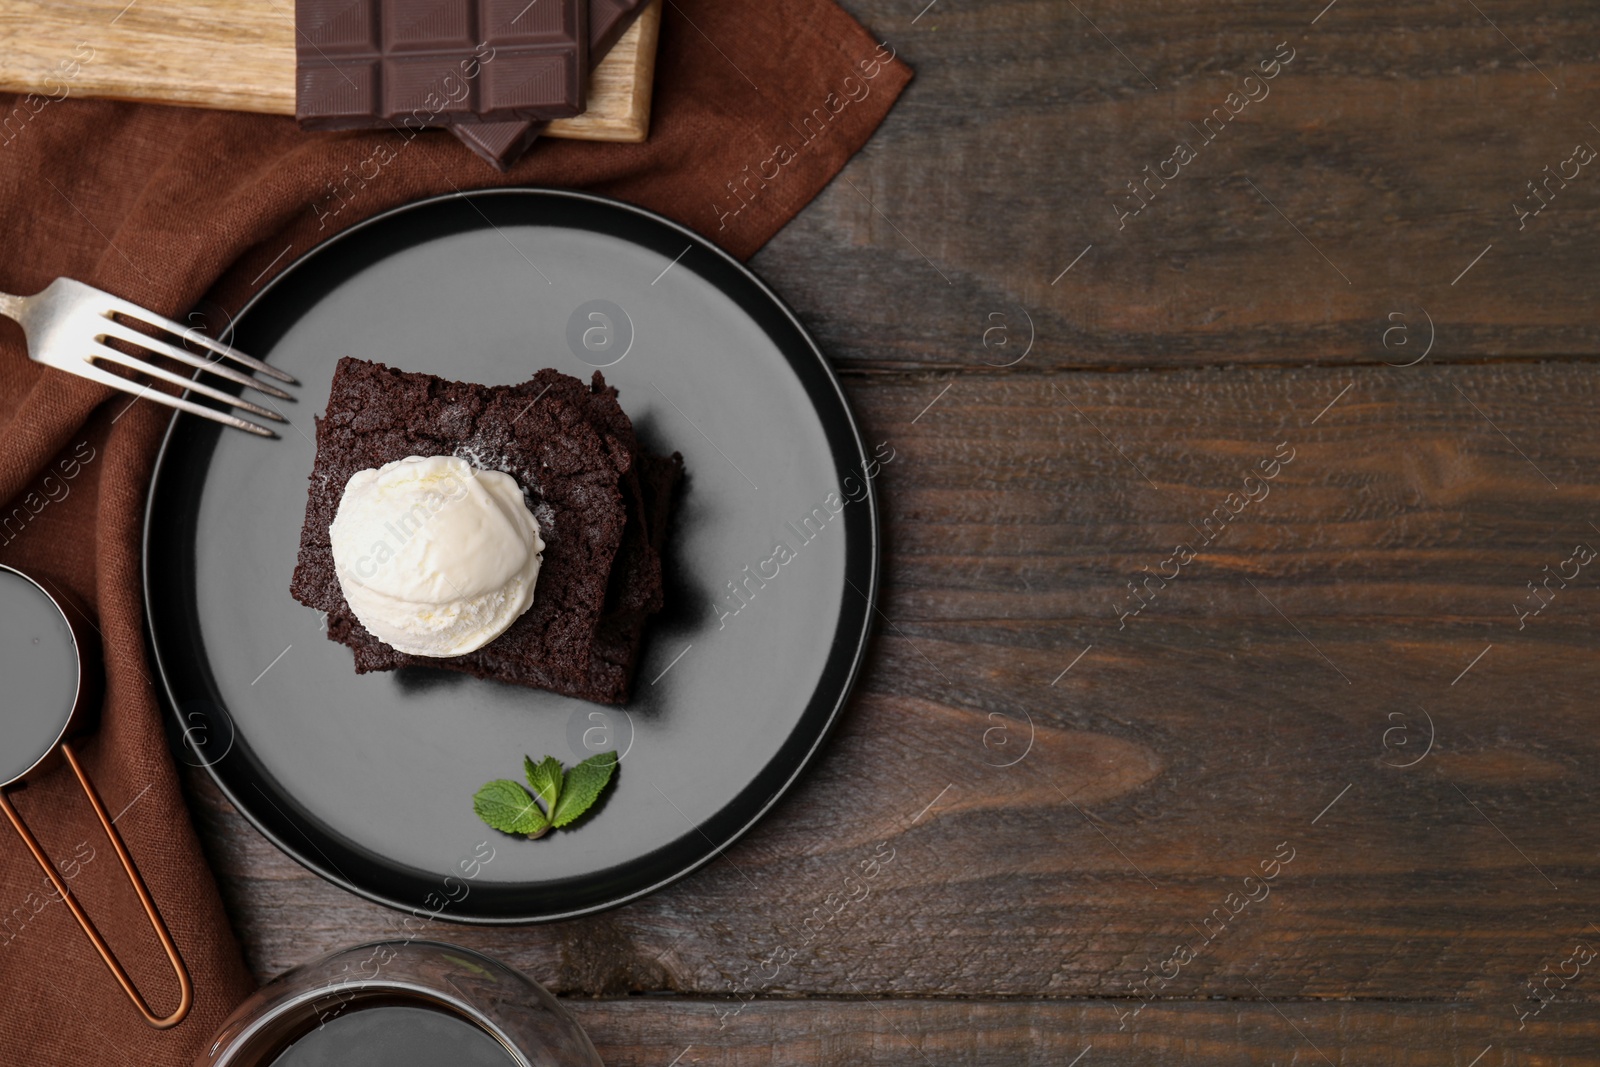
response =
{"points": [[476, 454], [484, 458]]}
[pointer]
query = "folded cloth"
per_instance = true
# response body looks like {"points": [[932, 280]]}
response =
{"points": [[757, 107]]}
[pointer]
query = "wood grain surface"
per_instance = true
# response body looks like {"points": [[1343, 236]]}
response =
{"points": [[1212, 716], [1055, 1033], [1389, 152], [240, 55]]}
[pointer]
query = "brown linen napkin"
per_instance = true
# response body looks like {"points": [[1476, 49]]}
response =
{"points": [[757, 107]]}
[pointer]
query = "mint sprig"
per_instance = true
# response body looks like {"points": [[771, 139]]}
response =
{"points": [[509, 808]]}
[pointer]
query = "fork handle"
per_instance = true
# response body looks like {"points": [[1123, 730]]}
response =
{"points": [[11, 306]]}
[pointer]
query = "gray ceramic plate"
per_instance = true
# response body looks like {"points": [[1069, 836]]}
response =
{"points": [[368, 780]]}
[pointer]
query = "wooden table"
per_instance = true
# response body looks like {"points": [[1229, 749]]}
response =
{"points": [[1329, 358]]}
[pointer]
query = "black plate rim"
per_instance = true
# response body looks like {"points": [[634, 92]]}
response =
{"points": [[860, 639]]}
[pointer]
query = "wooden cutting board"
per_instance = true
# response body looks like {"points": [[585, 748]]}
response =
{"points": [[239, 55]]}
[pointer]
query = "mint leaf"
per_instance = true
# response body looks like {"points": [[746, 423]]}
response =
{"points": [[545, 777], [506, 806], [582, 787]]}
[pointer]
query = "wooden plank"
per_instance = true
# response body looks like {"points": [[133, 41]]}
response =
{"points": [[620, 88], [239, 55], [1263, 705], [1394, 145], [652, 1032]]}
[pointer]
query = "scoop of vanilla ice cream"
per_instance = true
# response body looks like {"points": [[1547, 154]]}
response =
{"points": [[435, 557]]}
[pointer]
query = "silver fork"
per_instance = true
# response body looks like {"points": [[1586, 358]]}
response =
{"points": [[68, 323]]}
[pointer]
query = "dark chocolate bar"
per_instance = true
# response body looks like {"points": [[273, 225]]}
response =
{"points": [[608, 21], [363, 63], [502, 143]]}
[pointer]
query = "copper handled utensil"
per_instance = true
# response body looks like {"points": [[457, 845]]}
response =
{"points": [[68, 324], [49, 660]]}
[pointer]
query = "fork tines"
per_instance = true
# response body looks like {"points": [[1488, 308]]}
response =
{"points": [[214, 364]]}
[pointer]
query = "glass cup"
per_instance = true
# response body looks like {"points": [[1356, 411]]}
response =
{"points": [[302, 1004]]}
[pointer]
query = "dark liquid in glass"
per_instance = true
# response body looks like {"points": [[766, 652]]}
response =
{"points": [[395, 1036]]}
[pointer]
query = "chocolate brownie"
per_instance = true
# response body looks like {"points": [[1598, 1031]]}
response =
{"points": [[572, 451], [614, 653]]}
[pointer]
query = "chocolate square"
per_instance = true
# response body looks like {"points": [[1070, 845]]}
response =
{"points": [[338, 26], [444, 26], [345, 91], [514, 22], [522, 81]]}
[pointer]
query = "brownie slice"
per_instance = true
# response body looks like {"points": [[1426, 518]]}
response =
{"points": [[616, 648], [635, 584], [572, 451]]}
